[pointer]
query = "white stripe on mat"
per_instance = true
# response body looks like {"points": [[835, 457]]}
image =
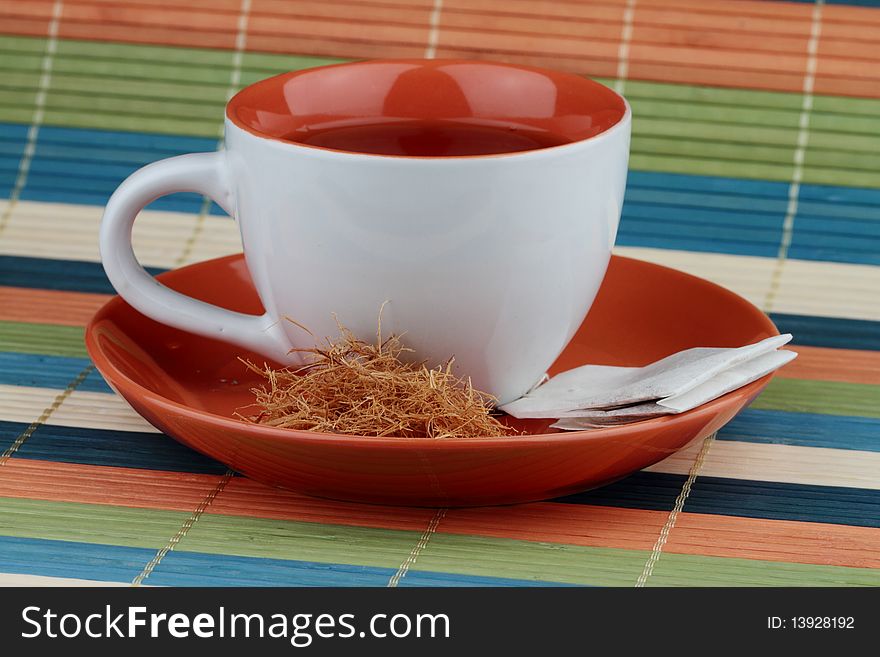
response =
{"points": [[14, 579], [68, 232], [86, 409], [433, 30], [789, 464], [806, 287], [626, 31]]}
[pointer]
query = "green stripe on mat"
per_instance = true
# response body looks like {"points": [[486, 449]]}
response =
{"points": [[697, 570], [449, 553], [776, 144], [653, 125], [707, 167], [307, 541], [678, 128], [214, 534], [46, 339], [116, 86], [109, 121], [828, 397], [475, 555], [748, 170], [747, 98], [88, 523], [554, 562], [207, 96]]}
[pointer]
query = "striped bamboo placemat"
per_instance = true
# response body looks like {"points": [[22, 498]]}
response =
{"points": [[754, 163]]}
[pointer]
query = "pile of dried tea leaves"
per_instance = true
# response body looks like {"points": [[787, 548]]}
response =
{"points": [[349, 386]]}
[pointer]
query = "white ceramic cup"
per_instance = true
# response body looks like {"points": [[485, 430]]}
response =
{"points": [[494, 259]]}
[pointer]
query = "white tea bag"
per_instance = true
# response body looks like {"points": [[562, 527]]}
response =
{"points": [[602, 386], [724, 382], [728, 380]]}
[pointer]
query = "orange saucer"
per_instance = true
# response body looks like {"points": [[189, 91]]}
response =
{"points": [[188, 387]]}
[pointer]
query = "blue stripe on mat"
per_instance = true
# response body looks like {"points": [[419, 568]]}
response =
{"points": [[40, 371], [120, 449], [103, 563], [653, 491], [74, 165], [662, 210], [52, 274], [804, 429], [740, 497], [777, 501], [182, 568], [113, 563], [835, 332]]}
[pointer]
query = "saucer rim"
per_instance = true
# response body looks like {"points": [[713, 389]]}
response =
{"points": [[130, 389]]}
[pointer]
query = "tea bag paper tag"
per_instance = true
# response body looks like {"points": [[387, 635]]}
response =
{"points": [[728, 380], [605, 389], [725, 382]]}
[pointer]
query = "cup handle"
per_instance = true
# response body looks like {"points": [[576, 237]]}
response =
{"points": [[205, 173]]}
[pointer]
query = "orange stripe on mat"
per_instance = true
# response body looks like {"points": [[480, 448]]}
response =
{"points": [[245, 497], [704, 13], [775, 540], [773, 17], [549, 522], [91, 484], [749, 44], [48, 306], [826, 364], [25, 10], [699, 534]]}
